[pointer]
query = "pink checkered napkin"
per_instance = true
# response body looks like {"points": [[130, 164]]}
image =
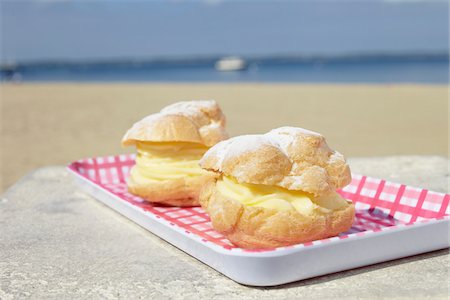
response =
{"points": [[380, 205]]}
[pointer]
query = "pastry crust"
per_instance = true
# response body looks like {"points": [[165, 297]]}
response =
{"points": [[189, 121], [175, 192], [199, 122], [256, 227], [288, 157]]}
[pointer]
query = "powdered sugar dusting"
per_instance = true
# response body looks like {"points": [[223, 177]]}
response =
{"points": [[293, 182], [245, 143], [189, 108], [335, 157], [281, 138], [220, 151], [204, 114], [313, 165], [235, 147], [212, 126], [293, 131]]}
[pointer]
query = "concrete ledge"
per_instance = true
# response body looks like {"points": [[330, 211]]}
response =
{"points": [[55, 242]]}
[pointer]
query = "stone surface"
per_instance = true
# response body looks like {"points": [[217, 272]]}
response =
{"points": [[55, 241]]}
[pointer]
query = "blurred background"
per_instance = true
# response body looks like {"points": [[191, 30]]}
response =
{"points": [[371, 75]]}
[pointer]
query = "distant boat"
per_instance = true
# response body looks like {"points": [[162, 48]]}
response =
{"points": [[230, 63]]}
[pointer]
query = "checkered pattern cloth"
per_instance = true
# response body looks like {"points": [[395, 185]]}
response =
{"points": [[380, 205]]}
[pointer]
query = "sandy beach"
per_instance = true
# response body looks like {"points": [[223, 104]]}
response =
{"points": [[53, 124]]}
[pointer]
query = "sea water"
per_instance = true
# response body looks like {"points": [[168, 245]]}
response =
{"points": [[434, 70]]}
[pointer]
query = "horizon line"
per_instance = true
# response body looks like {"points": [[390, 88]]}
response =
{"points": [[349, 57]]}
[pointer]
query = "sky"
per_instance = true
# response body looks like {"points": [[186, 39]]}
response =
{"points": [[65, 30]]}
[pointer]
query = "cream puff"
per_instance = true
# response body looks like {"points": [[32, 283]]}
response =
{"points": [[169, 146], [276, 189]]}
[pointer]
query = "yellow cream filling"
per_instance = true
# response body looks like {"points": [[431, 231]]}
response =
{"points": [[167, 160], [278, 198]]}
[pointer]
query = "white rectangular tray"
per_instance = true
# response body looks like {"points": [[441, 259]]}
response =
{"points": [[392, 221]]}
